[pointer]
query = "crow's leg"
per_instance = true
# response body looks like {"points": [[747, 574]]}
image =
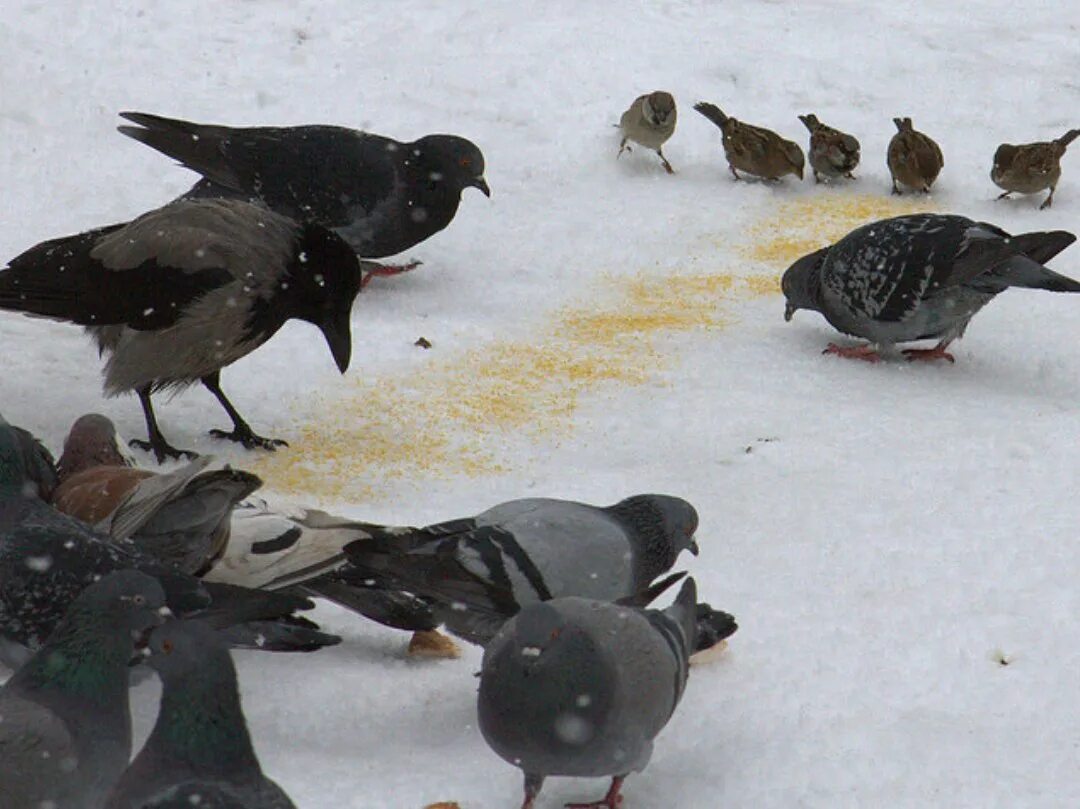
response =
{"points": [[157, 443], [242, 432]]}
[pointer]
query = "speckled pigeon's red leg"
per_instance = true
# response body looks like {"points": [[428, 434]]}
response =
{"points": [[371, 269], [938, 352], [865, 352], [610, 801]]}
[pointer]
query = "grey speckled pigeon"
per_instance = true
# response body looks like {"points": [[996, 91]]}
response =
{"points": [[181, 517], [48, 558], [200, 743], [480, 570], [65, 724], [381, 195], [183, 291], [581, 688], [918, 277]]}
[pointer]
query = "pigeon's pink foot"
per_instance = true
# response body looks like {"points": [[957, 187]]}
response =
{"points": [[866, 353], [938, 352], [371, 269], [613, 800]]}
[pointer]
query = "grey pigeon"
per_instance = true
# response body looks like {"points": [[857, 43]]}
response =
{"points": [[48, 558], [65, 723], [200, 744], [918, 277], [381, 195], [186, 290], [649, 121], [181, 517], [581, 688], [479, 571]]}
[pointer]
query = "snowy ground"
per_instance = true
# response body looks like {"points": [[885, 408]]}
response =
{"points": [[887, 536]]}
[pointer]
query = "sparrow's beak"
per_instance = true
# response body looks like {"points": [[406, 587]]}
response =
{"points": [[481, 183], [789, 310], [694, 549]]}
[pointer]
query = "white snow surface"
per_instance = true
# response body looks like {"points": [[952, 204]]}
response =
{"points": [[884, 534]]}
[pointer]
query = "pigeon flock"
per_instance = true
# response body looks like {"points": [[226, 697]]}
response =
{"points": [[105, 566]]}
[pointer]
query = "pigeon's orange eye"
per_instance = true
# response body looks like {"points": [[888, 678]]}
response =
{"points": [[466, 162], [555, 633], [138, 600], [166, 646]]}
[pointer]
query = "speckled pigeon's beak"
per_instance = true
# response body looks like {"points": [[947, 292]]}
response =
{"points": [[481, 183], [789, 310]]}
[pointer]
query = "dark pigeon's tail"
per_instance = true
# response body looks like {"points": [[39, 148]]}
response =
{"points": [[713, 113], [196, 146], [1027, 270], [684, 613], [713, 626]]}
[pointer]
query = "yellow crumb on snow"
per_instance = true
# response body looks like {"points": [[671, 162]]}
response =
{"points": [[804, 225], [448, 419]]}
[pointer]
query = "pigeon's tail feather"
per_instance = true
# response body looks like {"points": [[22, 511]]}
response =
{"points": [[652, 592], [712, 627], [232, 604], [1068, 137], [684, 612], [393, 608], [712, 112], [283, 635], [1042, 246], [196, 146]]}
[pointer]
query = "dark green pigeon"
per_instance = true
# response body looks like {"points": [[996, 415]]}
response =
{"points": [[199, 750], [65, 723]]}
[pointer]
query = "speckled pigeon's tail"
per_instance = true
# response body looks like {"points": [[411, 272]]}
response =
{"points": [[1028, 271]]}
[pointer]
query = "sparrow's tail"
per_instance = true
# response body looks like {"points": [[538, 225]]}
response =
{"points": [[712, 112], [903, 124], [811, 121], [1068, 138]]}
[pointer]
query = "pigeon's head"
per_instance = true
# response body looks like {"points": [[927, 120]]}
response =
{"points": [[125, 600], [93, 441], [181, 647], [801, 283], [320, 286], [658, 108], [661, 526], [27, 469], [455, 161]]}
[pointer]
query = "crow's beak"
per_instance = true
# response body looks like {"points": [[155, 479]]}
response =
{"points": [[789, 311], [481, 183], [339, 338], [694, 549]]}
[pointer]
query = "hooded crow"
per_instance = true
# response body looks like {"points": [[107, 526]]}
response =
{"points": [[381, 195], [183, 291]]}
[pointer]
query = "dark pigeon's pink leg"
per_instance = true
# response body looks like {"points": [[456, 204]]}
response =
{"points": [[610, 801], [866, 352], [371, 269]]}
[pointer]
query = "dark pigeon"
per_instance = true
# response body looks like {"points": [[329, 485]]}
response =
{"points": [[65, 723], [479, 571], [186, 290], [200, 749], [381, 195], [918, 277], [580, 688], [48, 558]]}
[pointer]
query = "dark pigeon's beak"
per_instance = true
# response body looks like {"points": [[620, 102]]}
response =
{"points": [[481, 183], [789, 311], [339, 338], [694, 549]]}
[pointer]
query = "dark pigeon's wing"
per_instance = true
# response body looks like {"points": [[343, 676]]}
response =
{"points": [[38, 463], [885, 270], [33, 742]]}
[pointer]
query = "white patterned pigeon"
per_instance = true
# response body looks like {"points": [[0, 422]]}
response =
{"points": [[479, 571], [65, 723], [918, 277], [200, 749], [581, 688]]}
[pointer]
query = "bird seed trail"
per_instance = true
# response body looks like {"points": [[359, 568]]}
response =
{"points": [[405, 430]]}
